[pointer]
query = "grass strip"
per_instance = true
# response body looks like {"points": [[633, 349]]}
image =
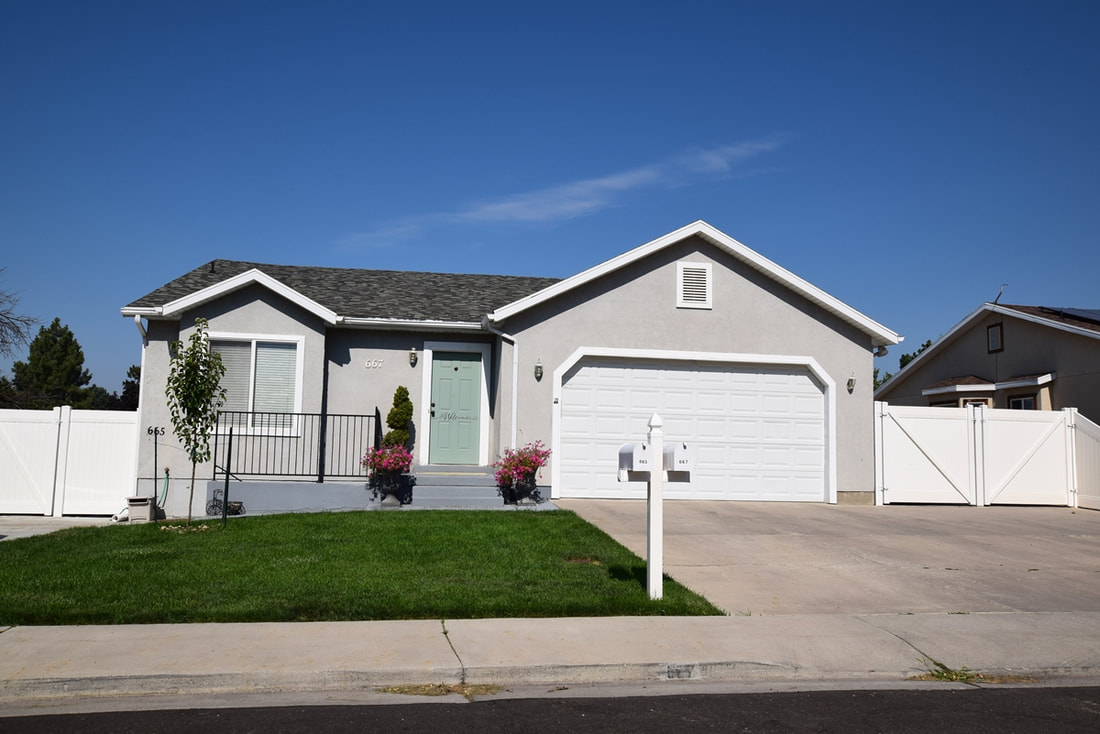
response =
{"points": [[331, 567]]}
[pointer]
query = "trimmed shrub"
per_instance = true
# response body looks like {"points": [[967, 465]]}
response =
{"points": [[399, 418]]}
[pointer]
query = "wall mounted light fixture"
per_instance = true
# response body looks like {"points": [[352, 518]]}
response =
{"points": [[851, 384], [538, 371], [412, 357]]}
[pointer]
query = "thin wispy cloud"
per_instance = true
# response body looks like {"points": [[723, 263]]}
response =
{"points": [[585, 196]]}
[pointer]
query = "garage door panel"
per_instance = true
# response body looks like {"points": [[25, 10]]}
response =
{"points": [[775, 430], [678, 401], [677, 426], [644, 399], [756, 432], [738, 429], [611, 399]]}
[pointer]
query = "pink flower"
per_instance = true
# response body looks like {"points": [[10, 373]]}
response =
{"points": [[521, 464], [387, 460]]}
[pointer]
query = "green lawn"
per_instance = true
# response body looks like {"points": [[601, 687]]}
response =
{"points": [[331, 566]]}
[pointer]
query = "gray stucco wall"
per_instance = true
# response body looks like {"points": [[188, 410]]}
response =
{"points": [[636, 308], [366, 367], [249, 311], [1029, 349]]}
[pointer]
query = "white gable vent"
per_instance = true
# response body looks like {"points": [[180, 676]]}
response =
{"points": [[693, 285]]}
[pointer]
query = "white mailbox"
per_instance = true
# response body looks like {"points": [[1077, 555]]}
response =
{"points": [[633, 458], [678, 457]]}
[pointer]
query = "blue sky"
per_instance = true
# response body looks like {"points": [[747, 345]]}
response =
{"points": [[906, 157]]}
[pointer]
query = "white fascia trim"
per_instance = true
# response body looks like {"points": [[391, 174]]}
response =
{"points": [[880, 335], [247, 278], [666, 355], [410, 324], [984, 387], [991, 386], [141, 311], [1030, 382]]}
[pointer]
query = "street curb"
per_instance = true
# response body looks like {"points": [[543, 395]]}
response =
{"points": [[733, 672]]}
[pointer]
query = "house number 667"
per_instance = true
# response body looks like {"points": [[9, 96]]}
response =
{"points": [[373, 364]]}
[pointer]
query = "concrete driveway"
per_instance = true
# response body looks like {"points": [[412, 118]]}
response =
{"points": [[763, 558]]}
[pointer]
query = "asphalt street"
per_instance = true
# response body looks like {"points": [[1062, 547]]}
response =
{"points": [[973, 710]]}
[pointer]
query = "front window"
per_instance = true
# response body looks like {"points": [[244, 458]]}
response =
{"points": [[1022, 402], [261, 376]]}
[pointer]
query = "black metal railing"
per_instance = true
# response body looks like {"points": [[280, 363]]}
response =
{"points": [[293, 445]]}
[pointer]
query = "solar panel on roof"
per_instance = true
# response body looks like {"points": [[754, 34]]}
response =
{"points": [[1088, 314]]}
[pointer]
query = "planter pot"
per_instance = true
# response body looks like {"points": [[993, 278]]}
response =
{"points": [[400, 486], [522, 490]]}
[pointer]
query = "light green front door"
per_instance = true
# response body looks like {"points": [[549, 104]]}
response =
{"points": [[456, 408]]}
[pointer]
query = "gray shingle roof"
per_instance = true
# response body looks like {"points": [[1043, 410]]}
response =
{"points": [[371, 294]]}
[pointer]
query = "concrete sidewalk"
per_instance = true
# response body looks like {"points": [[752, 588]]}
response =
{"points": [[38, 664]]}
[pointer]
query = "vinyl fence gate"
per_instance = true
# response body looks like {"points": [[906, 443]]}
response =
{"points": [[981, 456], [67, 462]]}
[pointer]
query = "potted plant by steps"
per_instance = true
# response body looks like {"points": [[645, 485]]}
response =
{"points": [[388, 466], [517, 473], [387, 472]]}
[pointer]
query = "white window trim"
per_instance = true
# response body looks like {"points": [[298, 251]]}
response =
{"points": [[708, 272], [299, 362]]}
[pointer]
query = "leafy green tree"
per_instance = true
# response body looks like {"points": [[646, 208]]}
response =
{"points": [[907, 358], [194, 396], [54, 372], [15, 328], [399, 418], [131, 389], [8, 397]]}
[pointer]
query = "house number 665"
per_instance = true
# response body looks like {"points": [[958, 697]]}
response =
{"points": [[373, 364]]}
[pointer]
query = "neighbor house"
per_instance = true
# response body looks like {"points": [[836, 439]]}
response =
{"points": [[1002, 356], [767, 377]]}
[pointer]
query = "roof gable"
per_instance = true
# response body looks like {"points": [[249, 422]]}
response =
{"points": [[879, 334], [1071, 320]]}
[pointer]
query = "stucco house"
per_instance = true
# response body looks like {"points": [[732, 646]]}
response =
{"points": [[1007, 356], [767, 377]]}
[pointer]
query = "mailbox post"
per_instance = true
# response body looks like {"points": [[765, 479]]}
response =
{"points": [[655, 512], [653, 462]]}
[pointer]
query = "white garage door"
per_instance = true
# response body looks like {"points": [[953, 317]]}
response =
{"points": [[758, 432]]}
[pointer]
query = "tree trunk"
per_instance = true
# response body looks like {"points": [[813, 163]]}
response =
{"points": [[191, 497]]}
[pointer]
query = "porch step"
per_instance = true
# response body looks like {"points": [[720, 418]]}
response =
{"points": [[465, 487], [454, 476]]}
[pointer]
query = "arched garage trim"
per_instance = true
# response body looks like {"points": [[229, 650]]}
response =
{"points": [[671, 356]]}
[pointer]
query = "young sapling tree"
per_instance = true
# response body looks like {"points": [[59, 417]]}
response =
{"points": [[194, 397]]}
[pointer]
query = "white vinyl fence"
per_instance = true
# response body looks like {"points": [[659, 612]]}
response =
{"points": [[1087, 441], [66, 462], [981, 456]]}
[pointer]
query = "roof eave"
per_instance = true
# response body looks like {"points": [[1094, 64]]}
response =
{"points": [[142, 311], [410, 324], [950, 389]]}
